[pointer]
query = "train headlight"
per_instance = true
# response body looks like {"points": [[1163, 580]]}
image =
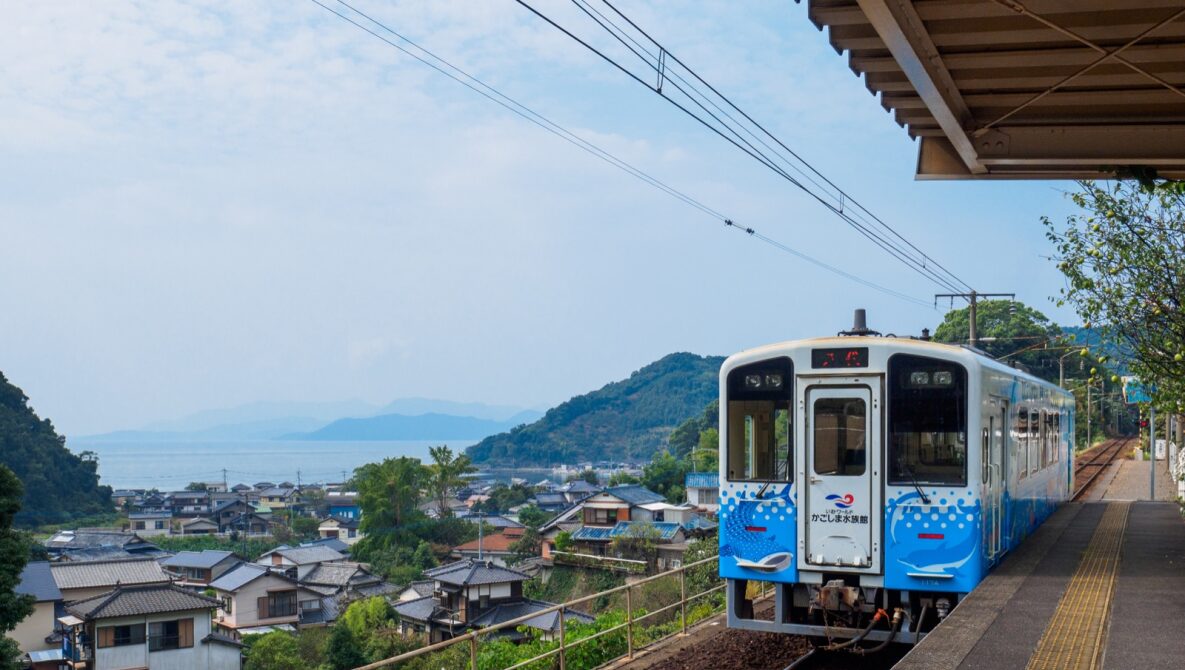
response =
{"points": [[919, 379], [943, 378], [773, 381], [752, 381]]}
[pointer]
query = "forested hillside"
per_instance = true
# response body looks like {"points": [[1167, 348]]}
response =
{"points": [[626, 420], [59, 486]]}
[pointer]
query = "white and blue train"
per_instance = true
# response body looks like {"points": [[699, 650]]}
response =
{"points": [[875, 481]]}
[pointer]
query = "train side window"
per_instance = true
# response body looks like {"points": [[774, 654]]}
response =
{"points": [[927, 424], [758, 411], [840, 436], [1034, 441]]}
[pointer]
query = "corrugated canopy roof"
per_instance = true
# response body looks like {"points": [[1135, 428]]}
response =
{"points": [[1024, 88]]}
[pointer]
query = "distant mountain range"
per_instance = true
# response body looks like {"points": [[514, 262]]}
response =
{"points": [[421, 427], [403, 419], [628, 420]]}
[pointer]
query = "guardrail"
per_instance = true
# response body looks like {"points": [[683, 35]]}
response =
{"points": [[473, 638], [600, 562]]}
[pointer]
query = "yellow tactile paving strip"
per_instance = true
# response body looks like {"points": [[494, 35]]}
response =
{"points": [[1074, 638]]}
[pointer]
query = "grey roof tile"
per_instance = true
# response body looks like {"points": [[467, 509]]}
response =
{"points": [[513, 610], [467, 572], [419, 609], [140, 600], [37, 581], [206, 558], [90, 574]]}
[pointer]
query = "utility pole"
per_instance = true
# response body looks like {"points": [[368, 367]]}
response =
{"points": [[972, 298]]}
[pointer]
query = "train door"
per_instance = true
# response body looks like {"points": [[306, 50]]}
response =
{"points": [[841, 474], [995, 472]]}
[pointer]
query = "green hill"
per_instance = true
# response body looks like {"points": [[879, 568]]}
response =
{"points": [[627, 420], [59, 486]]}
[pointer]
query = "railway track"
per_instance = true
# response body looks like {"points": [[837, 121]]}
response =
{"points": [[1091, 463]]}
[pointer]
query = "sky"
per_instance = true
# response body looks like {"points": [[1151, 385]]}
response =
{"points": [[206, 204]]}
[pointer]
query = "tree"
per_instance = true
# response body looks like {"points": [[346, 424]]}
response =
{"points": [[344, 652], [1124, 259], [533, 517], [277, 650], [59, 486], [621, 477], [196, 486], [388, 495], [1011, 329], [447, 473], [563, 541], [14, 552], [665, 475], [588, 474], [639, 542], [527, 546], [304, 527], [706, 456], [363, 617]]}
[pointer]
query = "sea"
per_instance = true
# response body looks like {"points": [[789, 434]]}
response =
{"points": [[170, 465]]}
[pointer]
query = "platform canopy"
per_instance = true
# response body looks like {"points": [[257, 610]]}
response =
{"points": [[1039, 89]]}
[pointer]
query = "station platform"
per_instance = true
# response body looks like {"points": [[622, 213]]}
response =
{"points": [[1100, 585]]}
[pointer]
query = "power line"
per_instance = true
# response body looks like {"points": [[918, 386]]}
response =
{"points": [[839, 202], [494, 95]]}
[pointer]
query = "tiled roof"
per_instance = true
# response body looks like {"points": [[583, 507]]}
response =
{"points": [[495, 521], [422, 586], [339, 574], [702, 480], [578, 486], [138, 601], [304, 555], [376, 589], [550, 499], [593, 533], [419, 609], [666, 531], [37, 581], [468, 572], [547, 622], [229, 503], [238, 577], [342, 522], [699, 522], [219, 638], [496, 542], [277, 491], [79, 575], [207, 558], [81, 539], [331, 542], [634, 494]]}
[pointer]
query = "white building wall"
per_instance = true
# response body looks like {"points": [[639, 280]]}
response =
{"points": [[198, 657]]}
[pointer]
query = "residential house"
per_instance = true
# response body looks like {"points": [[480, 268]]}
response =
{"points": [[497, 522], [79, 580], [257, 599], [346, 581], [122, 497], [263, 486], [199, 525], [603, 509], [147, 524], [416, 589], [669, 539], [64, 543], [340, 528], [468, 594], [494, 547], [251, 525], [228, 510], [331, 542], [35, 632], [299, 561], [152, 502], [199, 568], [278, 497], [576, 490], [664, 511], [546, 624], [215, 487], [551, 502], [343, 504], [188, 504], [241, 489], [703, 490], [160, 626], [452, 507]]}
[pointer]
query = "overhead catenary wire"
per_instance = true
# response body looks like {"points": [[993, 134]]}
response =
{"points": [[837, 200], [492, 94]]}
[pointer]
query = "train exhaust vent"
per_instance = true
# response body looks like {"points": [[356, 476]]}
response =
{"points": [[859, 325]]}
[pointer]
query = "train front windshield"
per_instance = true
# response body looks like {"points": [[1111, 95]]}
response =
{"points": [[927, 421], [759, 411]]}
